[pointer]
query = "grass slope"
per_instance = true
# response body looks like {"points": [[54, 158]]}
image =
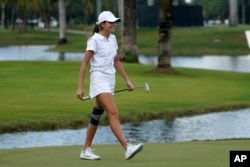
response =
{"points": [[186, 154], [41, 95], [194, 41]]}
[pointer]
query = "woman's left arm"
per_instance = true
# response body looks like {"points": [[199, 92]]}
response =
{"points": [[119, 68]]}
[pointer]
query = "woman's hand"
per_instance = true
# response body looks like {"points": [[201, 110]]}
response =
{"points": [[130, 85], [79, 94]]}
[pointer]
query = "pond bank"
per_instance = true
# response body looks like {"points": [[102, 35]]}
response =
{"points": [[149, 116], [213, 126]]}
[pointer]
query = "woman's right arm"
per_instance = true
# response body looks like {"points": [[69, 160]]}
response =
{"points": [[84, 67]]}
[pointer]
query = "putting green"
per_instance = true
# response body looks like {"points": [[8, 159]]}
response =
{"points": [[183, 154]]}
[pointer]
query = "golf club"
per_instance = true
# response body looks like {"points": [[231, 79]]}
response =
{"points": [[145, 86]]}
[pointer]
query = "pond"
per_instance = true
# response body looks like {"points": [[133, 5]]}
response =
{"points": [[213, 126], [38, 53]]}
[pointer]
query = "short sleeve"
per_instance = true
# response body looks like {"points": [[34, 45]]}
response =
{"points": [[91, 45], [115, 42]]}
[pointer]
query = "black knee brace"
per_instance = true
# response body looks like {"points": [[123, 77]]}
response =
{"points": [[95, 117]]}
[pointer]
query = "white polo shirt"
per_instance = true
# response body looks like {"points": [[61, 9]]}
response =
{"points": [[105, 51]]}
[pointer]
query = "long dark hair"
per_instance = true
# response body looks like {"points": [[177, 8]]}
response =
{"points": [[96, 29]]}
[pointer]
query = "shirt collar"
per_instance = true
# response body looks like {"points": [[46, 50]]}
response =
{"points": [[99, 36]]}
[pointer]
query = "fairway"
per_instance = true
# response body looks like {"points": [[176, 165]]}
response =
{"points": [[41, 95], [186, 154]]}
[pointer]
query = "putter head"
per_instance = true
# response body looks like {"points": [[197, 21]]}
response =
{"points": [[146, 87]]}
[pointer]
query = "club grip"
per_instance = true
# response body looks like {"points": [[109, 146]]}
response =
{"points": [[85, 98]]}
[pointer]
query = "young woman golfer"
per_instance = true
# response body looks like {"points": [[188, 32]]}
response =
{"points": [[102, 54]]}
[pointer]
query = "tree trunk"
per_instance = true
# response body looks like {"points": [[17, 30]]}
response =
{"points": [[129, 51], [150, 2], [13, 23], [233, 9], [98, 7], [243, 12], [121, 16], [62, 22], [47, 14], [3, 15], [165, 27]]}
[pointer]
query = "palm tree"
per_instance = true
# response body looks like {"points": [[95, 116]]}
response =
{"points": [[62, 22], [24, 9], [98, 7], [129, 51], [121, 15], [165, 27], [88, 8], [233, 5], [2, 3], [45, 7]]}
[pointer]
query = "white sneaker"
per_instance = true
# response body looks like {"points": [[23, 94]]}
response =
{"points": [[89, 155], [132, 150]]}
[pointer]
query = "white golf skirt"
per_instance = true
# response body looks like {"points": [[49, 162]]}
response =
{"points": [[101, 83]]}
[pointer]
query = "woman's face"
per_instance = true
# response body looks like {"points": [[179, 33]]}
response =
{"points": [[108, 26]]}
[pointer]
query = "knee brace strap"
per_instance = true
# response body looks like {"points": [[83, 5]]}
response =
{"points": [[95, 117]]}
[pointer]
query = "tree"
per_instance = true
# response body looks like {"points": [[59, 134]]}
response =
{"points": [[129, 51], [2, 3], [24, 9], [179, 2], [165, 28], [213, 9], [233, 17], [121, 15], [45, 7], [88, 8], [98, 7], [62, 22]]}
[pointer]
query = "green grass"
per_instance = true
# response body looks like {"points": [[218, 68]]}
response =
{"points": [[185, 154], [42, 95], [219, 40], [194, 41], [215, 40], [31, 37]]}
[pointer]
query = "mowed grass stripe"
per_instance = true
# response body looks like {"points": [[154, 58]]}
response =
{"points": [[42, 95], [185, 154]]}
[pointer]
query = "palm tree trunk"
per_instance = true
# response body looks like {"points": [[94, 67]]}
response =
{"points": [[3, 15], [62, 22], [121, 16], [98, 7], [129, 46], [233, 6], [47, 15], [165, 27]]}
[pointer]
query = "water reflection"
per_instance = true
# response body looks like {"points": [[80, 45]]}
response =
{"points": [[35, 53], [227, 63], [223, 125]]}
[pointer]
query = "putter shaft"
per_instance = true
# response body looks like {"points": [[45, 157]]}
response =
{"points": [[145, 85]]}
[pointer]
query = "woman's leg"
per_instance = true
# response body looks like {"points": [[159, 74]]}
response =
{"points": [[92, 126], [108, 104], [91, 130], [106, 101]]}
